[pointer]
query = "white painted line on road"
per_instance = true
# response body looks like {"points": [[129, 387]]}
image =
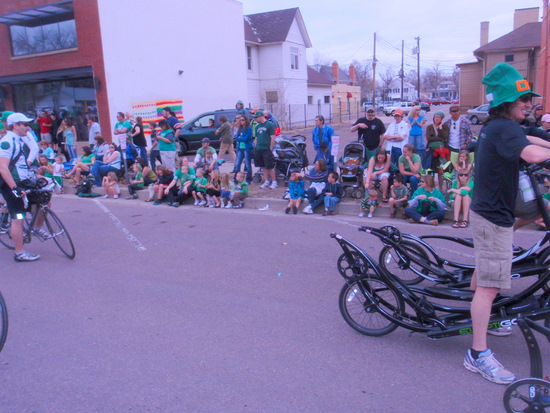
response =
{"points": [[129, 236]]}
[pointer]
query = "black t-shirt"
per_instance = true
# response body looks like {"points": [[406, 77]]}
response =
{"points": [[370, 135], [139, 139], [496, 174]]}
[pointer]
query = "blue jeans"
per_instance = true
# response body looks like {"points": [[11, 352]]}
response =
{"points": [[100, 169], [244, 154], [394, 155], [414, 214], [314, 199], [155, 156], [413, 181], [331, 201], [142, 150], [72, 151]]}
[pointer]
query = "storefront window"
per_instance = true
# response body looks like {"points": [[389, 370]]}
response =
{"points": [[43, 37]]}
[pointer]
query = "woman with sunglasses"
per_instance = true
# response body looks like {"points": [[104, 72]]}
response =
{"points": [[427, 205], [244, 146], [461, 192], [111, 163]]}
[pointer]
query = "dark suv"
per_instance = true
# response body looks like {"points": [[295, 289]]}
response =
{"points": [[198, 128]]}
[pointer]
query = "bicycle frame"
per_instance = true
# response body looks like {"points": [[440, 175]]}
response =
{"points": [[451, 320]]}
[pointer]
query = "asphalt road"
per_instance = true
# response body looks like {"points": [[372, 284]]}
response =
{"points": [[195, 309]]}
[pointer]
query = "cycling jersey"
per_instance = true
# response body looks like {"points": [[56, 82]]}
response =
{"points": [[17, 150]]}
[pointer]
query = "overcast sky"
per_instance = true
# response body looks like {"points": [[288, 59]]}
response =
{"points": [[344, 30]]}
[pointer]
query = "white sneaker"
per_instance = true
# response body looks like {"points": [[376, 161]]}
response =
{"points": [[501, 331], [116, 196], [265, 208], [361, 214], [369, 215], [222, 204], [202, 203], [196, 202], [229, 205], [105, 196], [265, 185], [274, 185], [308, 210]]}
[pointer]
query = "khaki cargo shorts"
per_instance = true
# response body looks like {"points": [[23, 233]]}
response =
{"points": [[493, 252]]}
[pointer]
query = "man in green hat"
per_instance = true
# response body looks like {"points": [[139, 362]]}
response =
{"points": [[501, 145]]}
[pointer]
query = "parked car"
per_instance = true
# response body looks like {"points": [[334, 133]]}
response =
{"points": [[478, 114], [404, 106], [424, 106], [199, 127], [440, 101]]}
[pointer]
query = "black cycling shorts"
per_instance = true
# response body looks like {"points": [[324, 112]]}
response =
{"points": [[15, 204]]}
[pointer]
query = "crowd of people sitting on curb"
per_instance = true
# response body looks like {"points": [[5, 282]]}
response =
{"points": [[403, 163]]}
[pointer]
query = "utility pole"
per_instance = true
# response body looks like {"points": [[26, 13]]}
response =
{"points": [[402, 71], [418, 64], [374, 75]]}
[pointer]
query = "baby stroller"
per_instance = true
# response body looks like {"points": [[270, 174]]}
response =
{"points": [[290, 156], [351, 166]]}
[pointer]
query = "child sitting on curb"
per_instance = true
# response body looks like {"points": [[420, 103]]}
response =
{"points": [[164, 177], [199, 193], [399, 196], [213, 189], [180, 187], [332, 193], [137, 183], [110, 185], [370, 203], [227, 191], [296, 191], [241, 191]]}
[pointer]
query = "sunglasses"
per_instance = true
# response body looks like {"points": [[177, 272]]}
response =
{"points": [[525, 98], [463, 175], [27, 124]]}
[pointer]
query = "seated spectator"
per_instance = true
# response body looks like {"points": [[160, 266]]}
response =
{"points": [[111, 163], [324, 153], [45, 167], [137, 183], [180, 188], [208, 163], [213, 189], [199, 157], [369, 204], [545, 123], [462, 191], [317, 177], [110, 185], [100, 148], [410, 166], [463, 161], [199, 192], [378, 169], [296, 191], [164, 178], [332, 193], [228, 187], [399, 196], [149, 177], [84, 164], [45, 149], [241, 191], [427, 205]]}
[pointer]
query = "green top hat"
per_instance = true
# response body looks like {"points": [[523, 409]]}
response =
{"points": [[505, 84]]}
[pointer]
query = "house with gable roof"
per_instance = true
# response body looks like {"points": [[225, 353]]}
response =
{"points": [[276, 43]]}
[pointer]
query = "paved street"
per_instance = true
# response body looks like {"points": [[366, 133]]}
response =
{"points": [[195, 309]]}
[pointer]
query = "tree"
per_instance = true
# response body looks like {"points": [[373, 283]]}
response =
{"points": [[412, 78], [363, 77], [432, 78], [387, 77], [456, 78]]}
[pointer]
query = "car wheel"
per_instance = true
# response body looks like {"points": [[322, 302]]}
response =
{"points": [[474, 119], [392, 113], [183, 148]]}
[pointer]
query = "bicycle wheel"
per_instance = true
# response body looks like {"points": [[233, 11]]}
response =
{"points": [[527, 395], [5, 234], [3, 322], [357, 267], [390, 261], [359, 310], [59, 233]]}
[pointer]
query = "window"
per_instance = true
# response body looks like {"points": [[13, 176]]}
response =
{"points": [[310, 100], [271, 97], [38, 37], [509, 58], [249, 57], [294, 58], [327, 99], [203, 122]]}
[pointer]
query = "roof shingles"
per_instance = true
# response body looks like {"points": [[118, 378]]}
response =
{"points": [[269, 27], [523, 37]]}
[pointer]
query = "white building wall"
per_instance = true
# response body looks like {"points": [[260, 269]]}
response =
{"points": [[253, 78], [145, 51], [319, 92]]}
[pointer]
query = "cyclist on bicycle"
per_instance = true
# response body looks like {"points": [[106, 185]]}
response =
{"points": [[15, 149]]}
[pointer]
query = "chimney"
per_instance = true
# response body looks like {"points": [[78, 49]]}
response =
{"points": [[335, 72], [484, 34], [523, 16], [352, 74]]}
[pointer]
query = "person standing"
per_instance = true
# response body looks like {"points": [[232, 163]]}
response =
{"points": [[45, 126], [396, 136], [14, 168], [122, 127], [170, 117], [416, 136], [460, 132], [263, 153], [500, 147], [94, 129], [322, 132], [138, 138], [369, 130], [167, 145], [226, 140]]}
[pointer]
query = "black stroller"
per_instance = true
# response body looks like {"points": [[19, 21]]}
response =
{"points": [[290, 156], [351, 166]]}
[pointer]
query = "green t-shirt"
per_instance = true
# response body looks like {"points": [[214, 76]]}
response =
{"points": [[124, 124], [200, 152], [201, 181], [414, 158], [463, 192], [141, 184], [165, 146], [182, 178], [86, 160], [436, 193], [264, 131], [242, 187], [546, 196]]}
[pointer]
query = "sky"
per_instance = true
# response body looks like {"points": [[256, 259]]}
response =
{"points": [[449, 31]]}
